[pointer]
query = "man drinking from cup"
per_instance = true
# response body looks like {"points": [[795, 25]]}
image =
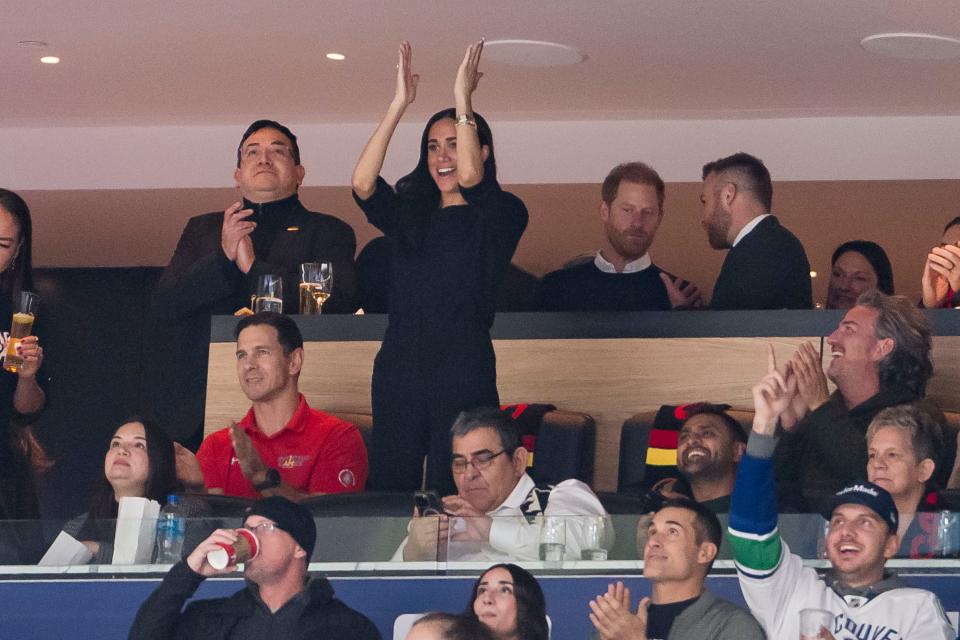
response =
{"points": [[277, 597]]}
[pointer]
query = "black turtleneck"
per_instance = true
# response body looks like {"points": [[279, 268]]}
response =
{"points": [[271, 218]]}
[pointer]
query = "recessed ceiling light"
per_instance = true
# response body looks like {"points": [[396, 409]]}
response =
{"points": [[50, 60], [37, 44], [336, 56], [532, 53], [912, 46]]}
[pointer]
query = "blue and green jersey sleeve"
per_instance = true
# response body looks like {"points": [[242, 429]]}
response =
{"points": [[753, 534]]}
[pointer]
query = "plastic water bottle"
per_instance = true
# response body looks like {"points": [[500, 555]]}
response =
{"points": [[171, 528]]}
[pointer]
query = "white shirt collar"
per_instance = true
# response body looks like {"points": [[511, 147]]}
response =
{"points": [[639, 264], [517, 497], [747, 228]]}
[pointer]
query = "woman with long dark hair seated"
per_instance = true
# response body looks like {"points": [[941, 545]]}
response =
{"points": [[453, 232], [509, 601], [857, 266], [140, 463]]}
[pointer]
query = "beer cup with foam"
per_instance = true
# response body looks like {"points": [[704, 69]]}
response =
{"points": [[20, 328]]}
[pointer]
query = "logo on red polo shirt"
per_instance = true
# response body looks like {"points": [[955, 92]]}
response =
{"points": [[346, 478], [291, 461]]}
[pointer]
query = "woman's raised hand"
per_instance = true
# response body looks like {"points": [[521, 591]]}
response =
{"points": [[406, 79], [468, 77], [364, 179]]}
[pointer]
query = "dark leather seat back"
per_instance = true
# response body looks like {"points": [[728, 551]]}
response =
{"points": [[564, 448]]}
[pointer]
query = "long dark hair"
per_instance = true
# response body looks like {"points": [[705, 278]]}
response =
{"points": [[875, 255], [161, 472], [28, 456], [531, 606], [418, 185], [19, 275]]}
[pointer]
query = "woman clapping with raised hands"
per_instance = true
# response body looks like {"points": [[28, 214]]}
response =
{"points": [[452, 230]]}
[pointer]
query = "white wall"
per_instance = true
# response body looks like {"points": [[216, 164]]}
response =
{"points": [[528, 152]]}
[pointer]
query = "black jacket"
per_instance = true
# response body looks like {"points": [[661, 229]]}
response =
{"points": [[768, 269], [160, 617]]}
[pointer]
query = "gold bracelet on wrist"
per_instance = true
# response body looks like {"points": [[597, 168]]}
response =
{"points": [[464, 119]]}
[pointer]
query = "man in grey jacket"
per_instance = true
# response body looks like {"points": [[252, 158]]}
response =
{"points": [[682, 543]]}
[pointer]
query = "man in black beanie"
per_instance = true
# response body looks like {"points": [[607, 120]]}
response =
{"points": [[279, 601]]}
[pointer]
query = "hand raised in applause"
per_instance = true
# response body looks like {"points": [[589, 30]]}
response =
{"points": [[682, 296], [427, 537], [611, 617], [188, 469], [197, 560], [811, 380], [772, 395], [941, 272], [468, 77], [235, 236], [407, 80], [32, 353], [251, 464]]}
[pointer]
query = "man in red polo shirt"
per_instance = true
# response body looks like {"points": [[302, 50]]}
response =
{"points": [[282, 446]]}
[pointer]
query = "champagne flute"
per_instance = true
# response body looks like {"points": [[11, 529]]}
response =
{"points": [[309, 279], [324, 287], [316, 285]]}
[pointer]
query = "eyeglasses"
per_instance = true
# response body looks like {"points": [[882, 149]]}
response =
{"points": [[273, 151], [480, 461], [265, 527]]}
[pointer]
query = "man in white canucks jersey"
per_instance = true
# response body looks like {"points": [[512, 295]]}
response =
{"points": [[866, 600]]}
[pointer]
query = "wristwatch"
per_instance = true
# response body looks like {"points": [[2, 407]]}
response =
{"points": [[271, 480]]}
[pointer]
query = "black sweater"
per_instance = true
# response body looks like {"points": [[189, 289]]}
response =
{"points": [[447, 263], [585, 288]]}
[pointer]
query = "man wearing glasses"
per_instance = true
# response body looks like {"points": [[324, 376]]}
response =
{"points": [[278, 600], [498, 511], [220, 256]]}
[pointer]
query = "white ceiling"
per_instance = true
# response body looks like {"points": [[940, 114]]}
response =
{"points": [[204, 62]]}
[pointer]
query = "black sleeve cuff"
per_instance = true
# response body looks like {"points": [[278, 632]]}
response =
{"points": [[379, 189], [480, 191]]}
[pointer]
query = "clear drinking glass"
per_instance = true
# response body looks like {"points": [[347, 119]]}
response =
{"points": [[22, 325], [553, 540], [594, 543], [316, 285], [269, 294]]}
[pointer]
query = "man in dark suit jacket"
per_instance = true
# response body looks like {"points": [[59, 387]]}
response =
{"points": [[217, 261], [766, 267]]}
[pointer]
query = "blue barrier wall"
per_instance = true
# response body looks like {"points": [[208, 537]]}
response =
{"points": [[104, 609]]}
